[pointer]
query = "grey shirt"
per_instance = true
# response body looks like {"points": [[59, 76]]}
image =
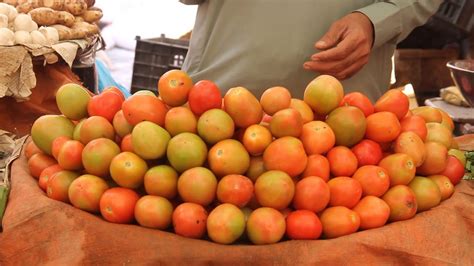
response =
{"points": [[263, 43]]}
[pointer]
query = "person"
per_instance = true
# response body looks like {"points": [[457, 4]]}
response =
{"points": [[258, 44]]}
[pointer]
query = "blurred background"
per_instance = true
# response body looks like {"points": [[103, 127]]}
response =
{"points": [[124, 20]]}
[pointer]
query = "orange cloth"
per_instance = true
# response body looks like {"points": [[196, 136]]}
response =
{"points": [[38, 230]]}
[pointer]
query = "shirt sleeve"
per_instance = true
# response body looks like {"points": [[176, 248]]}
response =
{"points": [[191, 2], [393, 20]]}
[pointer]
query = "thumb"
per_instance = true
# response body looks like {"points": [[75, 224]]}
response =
{"points": [[331, 37]]}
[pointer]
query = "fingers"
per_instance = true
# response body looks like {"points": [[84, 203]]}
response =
{"points": [[332, 37], [333, 66], [343, 68], [351, 70], [341, 51]]}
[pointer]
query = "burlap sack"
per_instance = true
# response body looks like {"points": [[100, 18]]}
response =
{"points": [[41, 231], [18, 117]]}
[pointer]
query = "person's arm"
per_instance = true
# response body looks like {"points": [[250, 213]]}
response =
{"points": [[346, 47], [393, 20]]}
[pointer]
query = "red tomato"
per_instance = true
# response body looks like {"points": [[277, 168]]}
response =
{"points": [[189, 220], [117, 205], [368, 152], [57, 144], [106, 104], [31, 149], [303, 224], [454, 170], [38, 162], [360, 101], [203, 96], [46, 174], [115, 90]]}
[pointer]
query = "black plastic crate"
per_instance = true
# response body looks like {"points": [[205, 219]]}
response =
{"points": [[153, 58], [457, 15]]}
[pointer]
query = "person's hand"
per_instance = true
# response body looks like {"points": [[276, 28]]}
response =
{"points": [[345, 48]]}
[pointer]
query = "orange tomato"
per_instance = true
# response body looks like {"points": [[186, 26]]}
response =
{"points": [[174, 87], [31, 149], [339, 221], [140, 108], [382, 127], [342, 161], [275, 99], [256, 139], [128, 170], [38, 162], [360, 101], [317, 165], [317, 137], [345, 191], [373, 179]]}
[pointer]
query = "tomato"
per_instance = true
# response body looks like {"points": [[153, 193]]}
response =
{"points": [[256, 139], [203, 96], [368, 152], [454, 170], [303, 224], [46, 174], [31, 149], [153, 212], [139, 108], [106, 104], [38, 162], [360, 101], [235, 189], [117, 205], [70, 155], [114, 90], [174, 86], [189, 220], [57, 144], [126, 143], [342, 161], [128, 170]]}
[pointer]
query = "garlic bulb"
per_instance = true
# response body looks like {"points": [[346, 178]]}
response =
{"points": [[7, 37], [23, 37]]}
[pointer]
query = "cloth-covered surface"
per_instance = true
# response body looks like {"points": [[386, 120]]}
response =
{"points": [[41, 231], [18, 117], [17, 75]]}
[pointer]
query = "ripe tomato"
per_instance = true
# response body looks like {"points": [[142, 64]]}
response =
{"points": [[38, 162], [303, 224], [360, 101], [114, 90], [339, 221], [153, 212], [454, 170], [342, 161], [128, 170], [126, 143], [256, 139], [46, 174], [189, 220], [203, 96], [174, 86], [106, 104], [117, 205], [70, 155], [140, 108], [31, 149], [57, 144], [368, 152]]}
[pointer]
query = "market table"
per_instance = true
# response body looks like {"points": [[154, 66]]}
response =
{"points": [[38, 230]]}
